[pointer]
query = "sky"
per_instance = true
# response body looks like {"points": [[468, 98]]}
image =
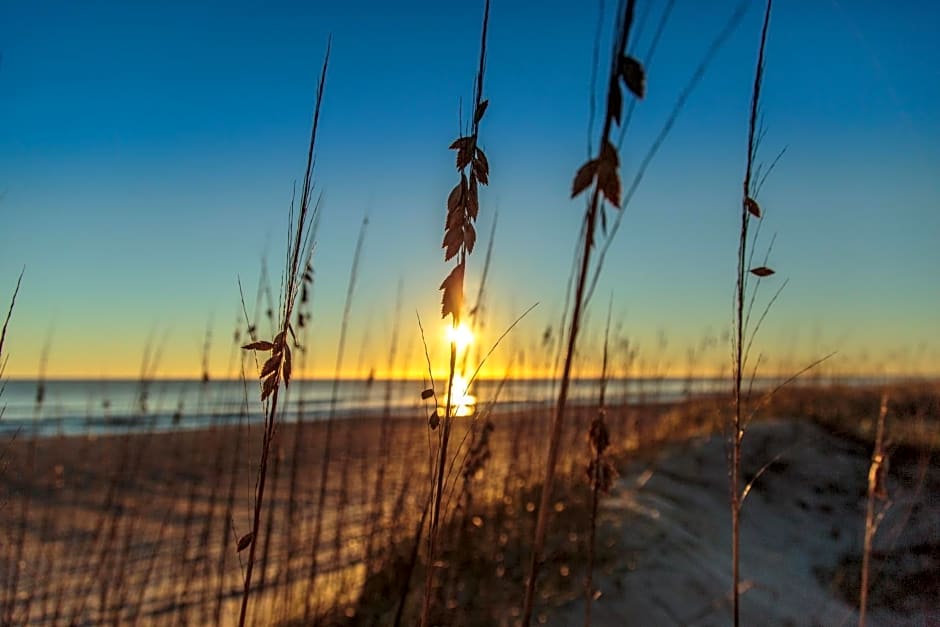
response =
{"points": [[148, 153]]}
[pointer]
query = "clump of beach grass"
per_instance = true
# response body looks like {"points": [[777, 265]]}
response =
{"points": [[277, 367]]}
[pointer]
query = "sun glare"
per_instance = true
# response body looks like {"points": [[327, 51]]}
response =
{"points": [[462, 336], [462, 402]]}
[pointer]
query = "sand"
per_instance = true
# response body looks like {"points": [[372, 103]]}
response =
{"points": [[143, 528], [802, 527]]}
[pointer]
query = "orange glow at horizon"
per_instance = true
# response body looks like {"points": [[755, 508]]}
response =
{"points": [[82, 354]]}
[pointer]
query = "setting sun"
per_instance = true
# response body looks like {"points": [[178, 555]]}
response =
{"points": [[461, 336]]}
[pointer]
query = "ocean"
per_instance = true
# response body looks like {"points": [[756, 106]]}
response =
{"points": [[71, 407]]}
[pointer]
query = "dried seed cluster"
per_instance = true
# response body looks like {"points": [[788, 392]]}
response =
{"points": [[277, 365], [604, 168], [600, 471], [463, 205]]}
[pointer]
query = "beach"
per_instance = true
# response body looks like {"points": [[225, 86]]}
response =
{"points": [[143, 528]]}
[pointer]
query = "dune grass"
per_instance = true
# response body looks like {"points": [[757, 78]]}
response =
{"points": [[749, 210], [463, 206], [416, 516]]}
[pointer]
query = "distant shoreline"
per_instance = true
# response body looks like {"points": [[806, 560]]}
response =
{"points": [[858, 379]]}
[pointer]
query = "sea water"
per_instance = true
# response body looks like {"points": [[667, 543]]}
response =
{"points": [[69, 407]]}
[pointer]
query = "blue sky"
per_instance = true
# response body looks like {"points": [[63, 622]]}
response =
{"points": [[147, 154]]}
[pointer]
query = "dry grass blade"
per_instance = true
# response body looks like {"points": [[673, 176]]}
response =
{"points": [[6, 321], [875, 491], [607, 184]]}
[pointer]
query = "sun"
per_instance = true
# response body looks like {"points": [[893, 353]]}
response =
{"points": [[461, 336]]}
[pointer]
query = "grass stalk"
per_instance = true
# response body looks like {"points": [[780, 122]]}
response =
{"points": [[600, 472], [603, 173], [876, 478], [6, 321], [229, 509], [459, 239], [300, 430], [278, 367], [749, 208]]}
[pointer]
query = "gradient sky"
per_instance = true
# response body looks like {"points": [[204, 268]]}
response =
{"points": [[147, 154]]}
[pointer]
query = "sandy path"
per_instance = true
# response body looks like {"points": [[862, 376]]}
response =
{"points": [[803, 516]]}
